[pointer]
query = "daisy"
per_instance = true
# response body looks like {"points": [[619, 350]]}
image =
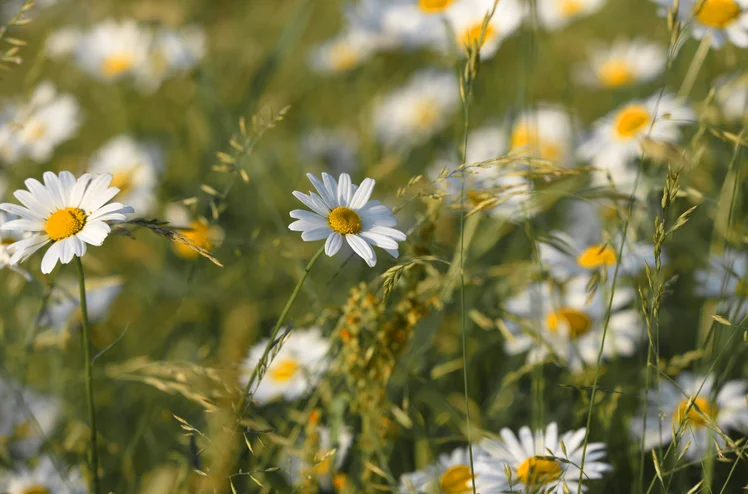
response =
{"points": [[538, 462], [65, 212], [36, 128], [545, 133], [134, 167], [6, 240], [701, 411], [467, 21], [62, 43], [450, 474], [113, 50], [294, 370], [343, 52], [343, 210], [64, 301], [723, 20], [557, 14], [413, 113], [45, 478], [324, 469], [567, 323], [200, 232], [726, 279], [732, 96], [171, 53], [27, 418], [624, 63], [617, 139]]}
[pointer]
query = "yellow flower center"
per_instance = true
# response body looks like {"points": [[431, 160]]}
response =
{"points": [[284, 370], [527, 138], [198, 236], [631, 120], [716, 13], [578, 322], [35, 131], [456, 480], [65, 223], [615, 73], [537, 470], [432, 6], [570, 7], [116, 64], [344, 221], [597, 256], [471, 35], [123, 180], [425, 113], [700, 413], [343, 57], [35, 489]]}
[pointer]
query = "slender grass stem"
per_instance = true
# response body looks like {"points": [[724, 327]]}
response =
{"points": [[93, 455]]}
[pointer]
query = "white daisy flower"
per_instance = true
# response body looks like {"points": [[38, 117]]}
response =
{"points": [[6, 240], [723, 20], [64, 301], [67, 212], [344, 52], [726, 279], [62, 43], [45, 478], [112, 50], [539, 463], [467, 17], [545, 133], [732, 96], [296, 368], [450, 474], [617, 139], [199, 231], [557, 14], [413, 113], [702, 412], [134, 167], [36, 128], [172, 52], [343, 210], [624, 63], [27, 418], [566, 323], [324, 469], [337, 148]]}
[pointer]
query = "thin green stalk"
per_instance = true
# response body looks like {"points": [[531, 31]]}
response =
{"points": [[93, 454]]}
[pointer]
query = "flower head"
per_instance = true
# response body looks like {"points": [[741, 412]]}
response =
{"points": [[44, 478], [624, 63], [450, 474], [557, 14], [722, 20]]}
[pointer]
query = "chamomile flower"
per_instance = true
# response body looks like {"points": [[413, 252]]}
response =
{"points": [[199, 231], [703, 413], [732, 96], [134, 167], [113, 50], [6, 240], [567, 324], [27, 418], [467, 17], [723, 20], [545, 133], [557, 14], [295, 369], [617, 139], [538, 462], [624, 63], [326, 465], [344, 52], [413, 113], [65, 212], [35, 128], [64, 301], [62, 43], [44, 477], [450, 474], [343, 211], [171, 53]]}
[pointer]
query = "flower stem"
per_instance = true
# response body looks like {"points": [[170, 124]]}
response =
{"points": [[93, 455]]}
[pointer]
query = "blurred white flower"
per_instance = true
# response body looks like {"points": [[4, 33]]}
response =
{"points": [[63, 43], [64, 301], [172, 53], [412, 113], [323, 469], [624, 63], [343, 211], [337, 148], [198, 231], [6, 240], [540, 462], [557, 14], [135, 169], [449, 474], [113, 50], [295, 369], [732, 96], [702, 412], [344, 52], [466, 18], [44, 477], [544, 133], [722, 20], [26, 419]]}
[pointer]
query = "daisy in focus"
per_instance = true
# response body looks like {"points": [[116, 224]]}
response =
{"points": [[624, 63], [567, 324], [538, 462], [43, 478], [450, 474], [695, 407], [64, 301], [467, 18], [557, 14], [64, 212], [134, 167], [722, 20], [411, 114], [294, 370], [545, 133], [343, 211], [732, 96], [198, 231], [26, 418], [113, 50]]}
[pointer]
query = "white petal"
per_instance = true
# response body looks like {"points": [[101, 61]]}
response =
{"points": [[67, 182], [55, 189], [114, 207], [344, 189], [40, 193], [79, 246], [79, 189], [329, 199], [97, 193], [49, 261], [362, 195], [362, 248], [34, 204], [316, 234], [23, 249], [311, 203], [308, 216], [332, 187], [390, 232], [379, 240], [66, 249], [393, 252], [21, 211], [94, 232], [23, 226], [333, 244], [304, 225]]}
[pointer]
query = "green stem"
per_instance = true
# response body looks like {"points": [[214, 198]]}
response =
{"points": [[93, 455]]}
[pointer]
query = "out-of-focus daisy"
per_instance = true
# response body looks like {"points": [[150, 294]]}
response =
{"points": [[624, 63], [557, 14], [450, 474], [171, 53], [112, 49], [617, 139], [336, 148], [727, 276], [295, 369], [467, 18], [27, 418], [325, 465], [64, 301], [567, 323], [62, 43], [416, 111], [67, 212], [343, 211], [134, 168], [703, 412], [197, 230], [732, 96], [722, 20], [538, 462], [36, 128], [343, 52], [6, 240], [44, 478], [544, 133]]}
